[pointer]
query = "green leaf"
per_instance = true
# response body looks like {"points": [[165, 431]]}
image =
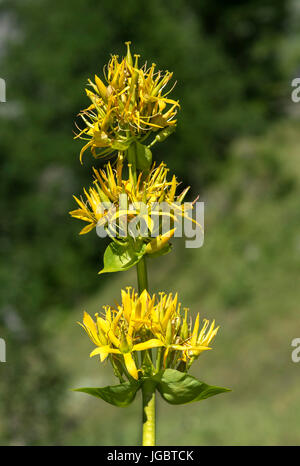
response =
{"points": [[118, 395], [118, 258], [178, 388], [143, 156]]}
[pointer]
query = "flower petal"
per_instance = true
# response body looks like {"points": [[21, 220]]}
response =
{"points": [[153, 343], [130, 365], [104, 351]]}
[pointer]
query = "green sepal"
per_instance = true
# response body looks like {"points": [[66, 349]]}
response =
{"points": [[179, 388], [118, 258], [118, 395], [161, 252], [143, 157], [122, 146], [163, 135]]}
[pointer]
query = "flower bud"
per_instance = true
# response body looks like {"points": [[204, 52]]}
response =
{"points": [[124, 345], [129, 56], [101, 88], [158, 243], [184, 330]]}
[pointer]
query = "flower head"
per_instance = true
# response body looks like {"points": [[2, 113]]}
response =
{"points": [[143, 322], [148, 208], [130, 105]]}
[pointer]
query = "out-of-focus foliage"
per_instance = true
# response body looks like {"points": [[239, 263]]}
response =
{"points": [[226, 59]]}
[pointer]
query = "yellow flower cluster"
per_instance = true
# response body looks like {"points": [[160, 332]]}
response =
{"points": [[143, 334], [129, 106], [115, 199], [141, 323]]}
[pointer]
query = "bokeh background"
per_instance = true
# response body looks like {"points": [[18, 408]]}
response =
{"points": [[237, 145]]}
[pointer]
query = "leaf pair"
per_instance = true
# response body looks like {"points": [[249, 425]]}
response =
{"points": [[174, 386], [118, 257]]}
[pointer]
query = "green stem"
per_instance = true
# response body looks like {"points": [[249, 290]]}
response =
{"points": [[131, 158], [158, 359], [148, 387], [142, 276], [148, 394]]}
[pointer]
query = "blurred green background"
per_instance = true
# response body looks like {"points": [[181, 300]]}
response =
{"points": [[237, 145]]}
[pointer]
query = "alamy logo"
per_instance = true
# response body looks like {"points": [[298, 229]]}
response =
{"points": [[2, 350], [2, 90], [295, 93], [296, 352], [141, 220]]}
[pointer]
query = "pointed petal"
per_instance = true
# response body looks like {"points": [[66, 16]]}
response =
{"points": [[104, 351], [153, 343], [87, 229], [130, 365]]}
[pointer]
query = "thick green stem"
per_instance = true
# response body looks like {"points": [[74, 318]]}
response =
{"points": [[148, 394], [148, 387], [142, 276]]}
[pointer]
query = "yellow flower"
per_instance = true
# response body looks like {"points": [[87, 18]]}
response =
{"points": [[197, 343], [129, 106], [169, 326], [137, 309], [142, 322], [112, 202], [116, 333], [125, 348]]}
